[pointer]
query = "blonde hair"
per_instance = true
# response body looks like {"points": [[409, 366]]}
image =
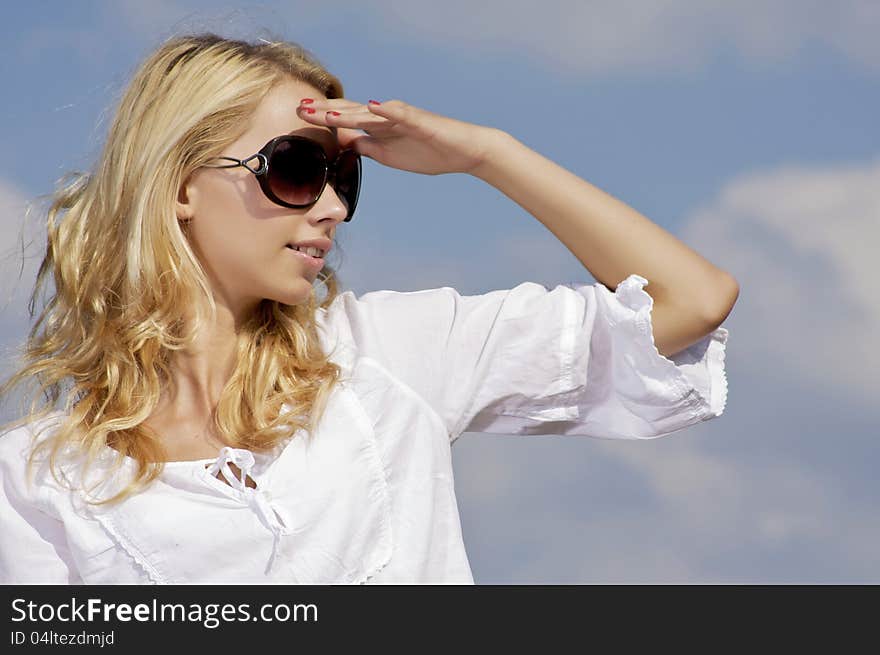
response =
{"points": [[125, 274]]}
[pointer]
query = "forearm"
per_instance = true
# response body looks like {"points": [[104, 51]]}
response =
{"points": [[611, 239]]}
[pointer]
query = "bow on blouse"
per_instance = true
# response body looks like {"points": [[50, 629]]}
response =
{"points": [[273, 518]]}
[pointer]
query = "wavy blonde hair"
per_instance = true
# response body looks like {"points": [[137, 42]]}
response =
{"points": [[125, 274]]}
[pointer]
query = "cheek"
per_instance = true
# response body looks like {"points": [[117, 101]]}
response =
{"points": [[226, 195], [226, 231]]}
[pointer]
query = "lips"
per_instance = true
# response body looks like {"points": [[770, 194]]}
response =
{"points": [[308, 251], [314, 263], [321, 243]]}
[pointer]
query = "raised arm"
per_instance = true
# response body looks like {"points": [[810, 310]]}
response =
{"points": [[612, 240]]}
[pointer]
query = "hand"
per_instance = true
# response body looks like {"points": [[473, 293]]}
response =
{"points": [[404, 136]]}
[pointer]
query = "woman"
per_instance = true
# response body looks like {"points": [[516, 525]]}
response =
{"points": [[225, 424]]}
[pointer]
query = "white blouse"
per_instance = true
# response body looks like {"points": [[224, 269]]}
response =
{"points": [[370, 497]]}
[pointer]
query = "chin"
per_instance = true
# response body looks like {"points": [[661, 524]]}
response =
{"points": [[298, 296]]}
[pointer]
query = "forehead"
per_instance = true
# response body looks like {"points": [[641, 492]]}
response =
{"points": [[277, 115]]}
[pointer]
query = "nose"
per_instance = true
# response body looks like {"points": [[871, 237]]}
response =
{"points": [[330, 205]]}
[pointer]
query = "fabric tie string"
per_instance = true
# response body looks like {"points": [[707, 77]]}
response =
{"points": [[271, 517]]}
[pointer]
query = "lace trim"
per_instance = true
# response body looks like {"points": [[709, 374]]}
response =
{"points": [[126, 544], [717, 356], [71, 471]]}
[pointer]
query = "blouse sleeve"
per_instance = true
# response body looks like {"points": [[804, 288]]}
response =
{"points": [[33, 544], [574, 360]]}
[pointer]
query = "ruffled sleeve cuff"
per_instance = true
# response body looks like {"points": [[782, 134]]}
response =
{"points": [[652, 394]]}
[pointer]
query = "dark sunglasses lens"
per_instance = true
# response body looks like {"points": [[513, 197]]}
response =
{"points": [[296, 171], [348, 178]]}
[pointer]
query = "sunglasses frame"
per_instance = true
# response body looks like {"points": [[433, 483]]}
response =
{"points": [[264, 156]]}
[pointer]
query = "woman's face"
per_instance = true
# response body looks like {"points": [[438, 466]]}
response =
{"points": [[239, 234]]}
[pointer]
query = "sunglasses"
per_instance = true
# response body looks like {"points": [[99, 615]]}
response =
{"points": [[293, 171]]}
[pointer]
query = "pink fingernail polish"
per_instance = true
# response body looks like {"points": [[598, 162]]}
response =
{"points": [[333, 113], [375, 102], [306, 101], [309, 110]]}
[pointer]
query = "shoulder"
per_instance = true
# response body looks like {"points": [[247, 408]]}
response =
{"points": [[348, 307], [389, 321], [16, 446]]}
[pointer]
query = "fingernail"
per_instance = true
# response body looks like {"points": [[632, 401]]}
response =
{"points": [[309, 110], [333, 113], [306, 101], [375, 102]]}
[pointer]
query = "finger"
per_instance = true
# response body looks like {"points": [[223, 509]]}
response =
{"points": [[394, 109], [361, 120], [357, 118], [357, 109], [333, 103], [313, 115], [317, 113], [408, 118]]}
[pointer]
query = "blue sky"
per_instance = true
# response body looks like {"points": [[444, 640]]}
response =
{"points": [[746, 129]]}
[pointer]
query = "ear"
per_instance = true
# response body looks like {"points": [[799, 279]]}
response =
{"points": [[184, 205]]}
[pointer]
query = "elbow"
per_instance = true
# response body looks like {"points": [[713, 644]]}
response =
{"points": [[725, 298]]}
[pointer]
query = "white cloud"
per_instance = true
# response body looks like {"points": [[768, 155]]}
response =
{"points": [[595, 37], [586, 511], [603, 36], [802, 243], [774, 500]]}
